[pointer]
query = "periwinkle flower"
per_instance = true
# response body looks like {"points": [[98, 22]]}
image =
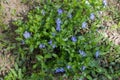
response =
{"points": [[82, 53], [92, 16], [104, 2], [60, 11], [58, 21], [26, 35], [59, 70], [83, 68], [68, 67], [97, 54], [84, 25], [50, 42], [73, 38], [58, 26], [42, 46]]}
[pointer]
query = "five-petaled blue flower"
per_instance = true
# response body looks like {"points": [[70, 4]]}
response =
{"points": [[84, 25], [73, 38], [104, 2], [59, 70], [82, 53], [26, 34], [58, 24], [97, 54], [60, 11], [92, 16], [42, 46]]}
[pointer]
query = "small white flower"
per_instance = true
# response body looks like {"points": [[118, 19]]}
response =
{"points": [[104, 2], [87, 2]]}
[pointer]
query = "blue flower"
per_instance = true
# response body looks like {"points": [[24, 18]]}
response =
{"points": [[97, 54], [58, 21], [82, 53], [60, 11], [73, 38], [84, 25], [58, 26], [104, 2], [92, 16], [68, 67], [41, 46], [50, 42], [26, 35], [83, 68], [59, 70]]}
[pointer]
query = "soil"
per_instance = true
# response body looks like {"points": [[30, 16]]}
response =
{"points": [[13, 10]]}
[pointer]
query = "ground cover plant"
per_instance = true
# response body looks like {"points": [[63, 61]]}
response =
{"points": [[61, 40]]}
